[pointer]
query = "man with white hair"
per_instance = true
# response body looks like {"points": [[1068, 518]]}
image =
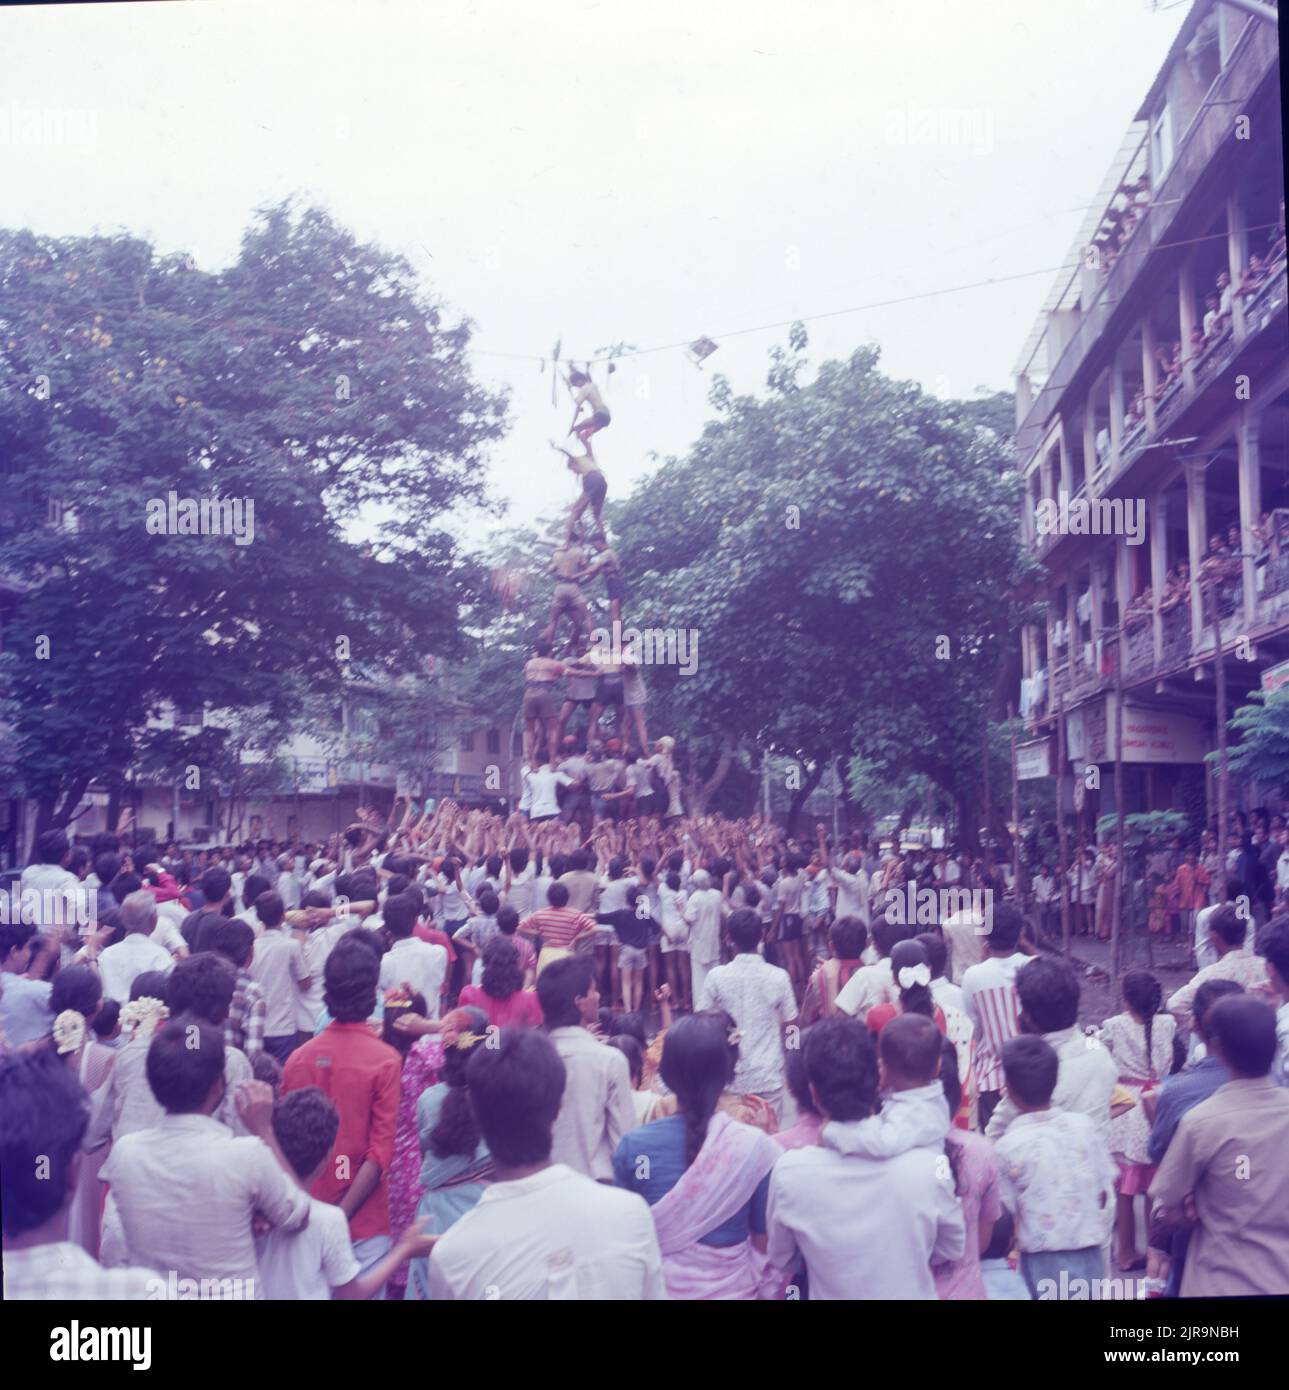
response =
{"points": [[705, 911], [137, 952]]}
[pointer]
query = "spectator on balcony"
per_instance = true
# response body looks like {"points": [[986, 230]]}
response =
{"points": [[1198, 345], [1168, 356], [1252, 280], [1213, 325], [1223, 301], [1276, 242]]}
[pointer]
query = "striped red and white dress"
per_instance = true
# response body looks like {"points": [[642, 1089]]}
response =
{"points": [[989, 995]]}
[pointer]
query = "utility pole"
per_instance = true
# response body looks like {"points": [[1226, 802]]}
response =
{"points": [[1219, 681], [989, 800], [1017, 886], [1117, 916], [1060, 825]]}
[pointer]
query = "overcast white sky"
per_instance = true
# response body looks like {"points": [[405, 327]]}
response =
{"points": [[603, 171]]}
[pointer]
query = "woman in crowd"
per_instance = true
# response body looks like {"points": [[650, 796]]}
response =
{"points": [[975, 1173], [456, 1164], [501, 995], [847, 938], [705, 1175]]}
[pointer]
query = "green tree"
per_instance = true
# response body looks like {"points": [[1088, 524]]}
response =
{"points": [[1262, 727], [313, 378]]}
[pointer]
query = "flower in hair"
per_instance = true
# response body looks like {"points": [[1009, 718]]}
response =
{"points": [[911, 975], [734, 1037], [144, 1015], [69, 1031], [467, 1040]]}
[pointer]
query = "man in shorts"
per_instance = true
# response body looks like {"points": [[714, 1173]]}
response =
{"points": [[566, 564], [604, 774], [594, 488], [586, 397], [541, 713]]}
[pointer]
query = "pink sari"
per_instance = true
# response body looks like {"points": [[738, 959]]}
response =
{"points": [[720, 1181]]}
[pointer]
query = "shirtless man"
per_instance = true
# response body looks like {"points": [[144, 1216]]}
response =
{"points": [[606, 563], [541, 713], [566, 564], [586, 396], [594, 488]]}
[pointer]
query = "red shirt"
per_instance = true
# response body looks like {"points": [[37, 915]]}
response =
{"points": [[521, 1010], [360, 1075], [558, 926], [436, 938]]}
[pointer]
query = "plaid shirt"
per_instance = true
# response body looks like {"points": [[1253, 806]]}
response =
{"points": [[245, 1026], [63, 1271]]}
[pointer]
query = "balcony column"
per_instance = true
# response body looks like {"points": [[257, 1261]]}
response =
{"points": [[1158, 566], [1072, 653], [1237, 256], [1197, 542], [1149, 374], [1247, 443], [1091, 464], [1117, 408], [1190, 318], [1067, 467], [1123, 592]]}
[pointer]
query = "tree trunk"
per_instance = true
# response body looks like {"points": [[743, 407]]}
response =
{"points": [[802, 795], [968, 828], [700, 793]]}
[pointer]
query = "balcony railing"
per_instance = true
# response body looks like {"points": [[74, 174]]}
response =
{"points": [[1177, 636], [1141, 648]]}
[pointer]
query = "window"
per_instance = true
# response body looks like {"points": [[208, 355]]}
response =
{"points": [[494, 741], [467, 742], [517, 745], [189, 718], [1161, 145]]}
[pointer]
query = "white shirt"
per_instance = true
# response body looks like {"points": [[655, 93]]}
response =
{"points": [[866, 1227], [278, 968], [308, 1264], [136, 955], [520, 893], [613, 893], [1056, 1175], [1084, 1084], [58, 897], [288, 888], [317, 946], [869, 986], [187, 1191], [597, 1108], [944, 993], [554, 1235], [672, 902], [419, 963], [760, 999], [166, 934], [705, 911], [542, 783]]}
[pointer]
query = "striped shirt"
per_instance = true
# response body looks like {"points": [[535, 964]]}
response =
{"points": [[989, 996], [558, 926]]}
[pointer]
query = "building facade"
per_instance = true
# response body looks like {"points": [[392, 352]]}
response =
{"points": [[1153, 405]]}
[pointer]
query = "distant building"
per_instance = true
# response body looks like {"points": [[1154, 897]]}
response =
{"points": [[1153, 406]]}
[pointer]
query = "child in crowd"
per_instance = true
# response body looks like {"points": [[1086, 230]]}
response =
{"points": [[317, 1261], [1141, 1041], [1056, 1176]]}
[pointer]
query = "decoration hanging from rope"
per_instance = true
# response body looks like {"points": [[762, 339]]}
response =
{"points": [[701, 349]]}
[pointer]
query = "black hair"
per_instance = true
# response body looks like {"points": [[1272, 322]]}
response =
{"points": [[492, 865], [14, 936], [456, 1131], [106, 866], [795, 1078], [519, 859], [937, 951], [214, 884], [631, 1025], [557, 894], [634, 1054], [887, 934], [202, 985], [350, 978], [400, 915], [78, 987], [108, 1016], [1048, 991], [848, 936], [1006, 926], [1273, 943], [949, 1079], [235, 940], [396, 1038], [46, 1113], [744, 928], [185, 1059], [697, 1065], [617, 866], [151, 984], [488, 902], [560, 986], [270, 909], [515, 1090], [266, 1067], [1030, 1065], [1227, 923], [305, 1124], [502, 974], [1000, 1242], [315, 898], [507, 919], [841, 1064], [1244, 1031], [51, 847], [916, 999], [910, 1047], [253, 886], [1143, 995]]}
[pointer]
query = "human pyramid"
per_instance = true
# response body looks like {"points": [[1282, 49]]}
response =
{"points": [[601, 677]]}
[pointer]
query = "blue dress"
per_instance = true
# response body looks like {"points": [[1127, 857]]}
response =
{"points": [[443, 1206]]}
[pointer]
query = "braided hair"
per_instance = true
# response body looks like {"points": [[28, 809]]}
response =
{"points": [[698, 1060], [1143, 995], [916, 999], [456, 1131]]}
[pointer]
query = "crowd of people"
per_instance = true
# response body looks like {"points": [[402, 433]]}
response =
{"points": [[460, 1055]]}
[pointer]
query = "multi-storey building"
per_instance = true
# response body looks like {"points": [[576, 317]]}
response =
{"points": [[1157, 380]]}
